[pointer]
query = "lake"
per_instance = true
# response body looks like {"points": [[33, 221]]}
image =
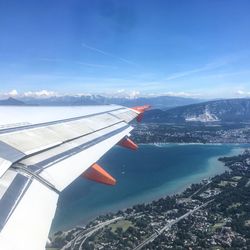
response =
{"points": [[151, 172]]}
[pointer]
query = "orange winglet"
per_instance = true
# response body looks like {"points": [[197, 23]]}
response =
{"points": [[141, 110], [128, 143], [98, 174]]}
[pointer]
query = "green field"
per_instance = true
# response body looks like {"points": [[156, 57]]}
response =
{"points": [[124, 224]]}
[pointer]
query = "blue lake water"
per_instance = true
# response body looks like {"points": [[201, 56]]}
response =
{"points": [[142, 176]]}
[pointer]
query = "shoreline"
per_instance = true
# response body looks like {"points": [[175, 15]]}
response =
{"points": [[182, 185]]}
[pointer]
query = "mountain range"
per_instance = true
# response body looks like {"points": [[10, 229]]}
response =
{"points": [[160, 102], [165, 109], [229, 110]]}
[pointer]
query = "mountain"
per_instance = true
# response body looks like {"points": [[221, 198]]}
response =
{"points": [[11, 102], [161, 102], [61, 101], [230, 110]]}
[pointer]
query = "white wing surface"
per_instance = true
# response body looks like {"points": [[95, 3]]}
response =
{"points": [[42, 150]]}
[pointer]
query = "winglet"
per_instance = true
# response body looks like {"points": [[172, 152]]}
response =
{"points": [[128, 143], [98, 174], [141, 110]]}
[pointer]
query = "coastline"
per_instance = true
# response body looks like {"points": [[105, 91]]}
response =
{"points": [[214, 167], [212, 204]]}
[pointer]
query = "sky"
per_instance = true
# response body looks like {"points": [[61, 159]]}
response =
{"points": [[195, 48]]}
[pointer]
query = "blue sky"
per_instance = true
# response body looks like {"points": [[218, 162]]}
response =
{"points": [[148, 47]]}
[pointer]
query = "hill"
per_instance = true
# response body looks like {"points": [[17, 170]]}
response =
{"points": [[11, 102], [230, 110]]}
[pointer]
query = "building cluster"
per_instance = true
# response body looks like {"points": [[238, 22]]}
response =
{"points": [[192, 133]]}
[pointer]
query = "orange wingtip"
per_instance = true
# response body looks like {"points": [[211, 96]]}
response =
{"points": [[98, 174], [141, 109], [128, 143]]}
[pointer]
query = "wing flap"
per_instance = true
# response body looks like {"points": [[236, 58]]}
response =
{"points": [[8, 155], [64, 172], [62, 164]]}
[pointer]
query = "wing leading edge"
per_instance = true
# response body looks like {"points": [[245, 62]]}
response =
{"points": [[42, 154]]}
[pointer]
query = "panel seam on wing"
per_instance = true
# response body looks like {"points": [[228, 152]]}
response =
{"points": [[45, 124], [23, 169]]}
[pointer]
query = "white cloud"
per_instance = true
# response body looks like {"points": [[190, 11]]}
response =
{"points": [[34, 94], [120, 90], [243, 93], [12, 93], [134, 94], [40, 94], [123, 93], [120, 93]]}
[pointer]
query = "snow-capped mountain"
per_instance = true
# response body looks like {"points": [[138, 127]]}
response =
{"points": [[230, 110]]}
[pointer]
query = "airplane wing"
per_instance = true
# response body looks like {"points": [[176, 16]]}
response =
{"points": [[43, 150]]}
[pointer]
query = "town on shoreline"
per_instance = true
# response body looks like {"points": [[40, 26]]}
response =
{"points": [[191, 133], [213, 214]]}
